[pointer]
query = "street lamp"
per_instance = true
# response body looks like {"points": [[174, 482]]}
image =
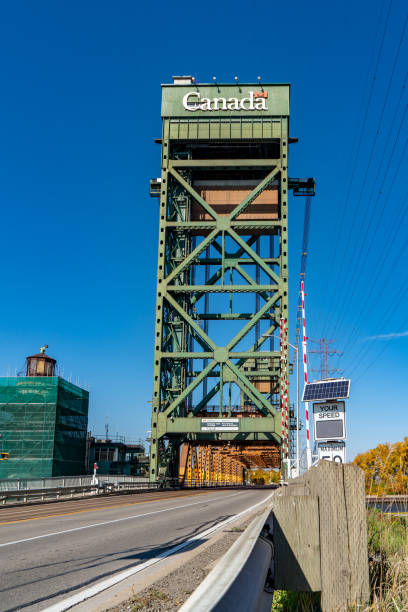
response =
{"points": [[295, 348]]}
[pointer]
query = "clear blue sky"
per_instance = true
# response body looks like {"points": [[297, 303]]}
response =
{"points": [[80, 107]]}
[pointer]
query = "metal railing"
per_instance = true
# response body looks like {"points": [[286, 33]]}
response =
{"points": [[48, 489], [242, 579], [42, 489], [119, 439], [25, 484], [70, 491], [55, 493]]}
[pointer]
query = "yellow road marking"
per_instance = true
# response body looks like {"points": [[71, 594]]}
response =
{"points": [[149, 501]]}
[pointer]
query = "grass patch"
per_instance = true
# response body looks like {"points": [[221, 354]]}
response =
{"points": [[388, 561], [387, 533], [141, 603], [234, 530]]}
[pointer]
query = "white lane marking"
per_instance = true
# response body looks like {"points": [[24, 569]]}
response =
{"points": [[126, 518], [109, 582]]}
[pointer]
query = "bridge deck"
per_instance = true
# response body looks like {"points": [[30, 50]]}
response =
{"points": [[47, 559]]}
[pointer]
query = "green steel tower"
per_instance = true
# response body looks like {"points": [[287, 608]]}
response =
{"points": [[222, 280]]}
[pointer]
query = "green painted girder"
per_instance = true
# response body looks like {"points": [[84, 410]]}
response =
{"points": [[221, 288], [223, 163], [210, 355], [177, 297], [216, 261], [225, 437], [241, 225], [254, 373], [229, 316], [191, 425]]}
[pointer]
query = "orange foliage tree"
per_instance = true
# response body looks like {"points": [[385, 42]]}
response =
{"points": [[268, 476], [385, 468]]}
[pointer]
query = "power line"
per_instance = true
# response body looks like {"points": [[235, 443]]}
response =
{"points": [[402, 296], [360, 140], [397, 298], [356, 275], [373, 146], [380, 265]]}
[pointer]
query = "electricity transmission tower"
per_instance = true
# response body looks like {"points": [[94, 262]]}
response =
{"points": [[325, 353]]}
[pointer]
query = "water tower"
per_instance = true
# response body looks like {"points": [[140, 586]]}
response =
{"points": [[41, 364]]}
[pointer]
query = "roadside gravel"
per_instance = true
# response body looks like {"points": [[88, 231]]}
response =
{"points": [[169, 593]]}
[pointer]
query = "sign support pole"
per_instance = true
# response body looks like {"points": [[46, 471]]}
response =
{"points": [[297, 413], [308, 449]]}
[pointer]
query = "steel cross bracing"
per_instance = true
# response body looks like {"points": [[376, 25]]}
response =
{"points": [[177, 322], [210, 263]]}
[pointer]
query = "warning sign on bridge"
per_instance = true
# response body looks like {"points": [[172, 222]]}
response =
{"points": [[220, 425]]}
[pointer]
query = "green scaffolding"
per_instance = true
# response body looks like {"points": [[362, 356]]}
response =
{"points": [[43, 426]]}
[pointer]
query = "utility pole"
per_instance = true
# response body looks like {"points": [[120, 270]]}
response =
{"points": [[325, 353]]}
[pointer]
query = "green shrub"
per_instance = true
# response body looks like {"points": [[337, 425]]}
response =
{"points": [[286, 601]]}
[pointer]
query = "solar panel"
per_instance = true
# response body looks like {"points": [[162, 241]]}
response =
{"points": [[326, 389]]}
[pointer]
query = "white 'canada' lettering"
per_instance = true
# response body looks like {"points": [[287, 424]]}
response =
{"points": [[193, 101]]}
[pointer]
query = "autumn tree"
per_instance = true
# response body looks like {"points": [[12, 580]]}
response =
{"points": [[268, 476], [385, 468]]}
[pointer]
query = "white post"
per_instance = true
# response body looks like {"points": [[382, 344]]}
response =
{"points": [[297, 414], [94, 479], [308, 449]]}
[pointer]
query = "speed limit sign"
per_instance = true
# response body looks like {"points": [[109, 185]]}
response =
{"points": [[332, 451]]}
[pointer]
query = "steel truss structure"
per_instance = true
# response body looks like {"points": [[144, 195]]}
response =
{"points": [[222, 286], [220, 463]]}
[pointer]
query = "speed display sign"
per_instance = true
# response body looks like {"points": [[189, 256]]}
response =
{"points": [[329, 421]]}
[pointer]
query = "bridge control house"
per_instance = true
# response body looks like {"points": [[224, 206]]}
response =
{"points": [[43, 422]]}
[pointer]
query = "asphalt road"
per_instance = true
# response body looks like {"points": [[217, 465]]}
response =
{"points": [[46, 559]]}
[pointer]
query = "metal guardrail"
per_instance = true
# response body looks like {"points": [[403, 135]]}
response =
{"points": [[390, 504], [102, 485], [384, 499], [70, 492], [43, 494], [241, 580], [25, 484]]}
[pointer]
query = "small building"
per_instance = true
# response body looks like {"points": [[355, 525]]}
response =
{"points": [[114, 455], [43, 423]]}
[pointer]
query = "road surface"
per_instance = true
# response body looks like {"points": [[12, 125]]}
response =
{"points": [[51, 552]]}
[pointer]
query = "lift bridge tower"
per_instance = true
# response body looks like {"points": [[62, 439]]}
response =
{"points": [[222, 280]]}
